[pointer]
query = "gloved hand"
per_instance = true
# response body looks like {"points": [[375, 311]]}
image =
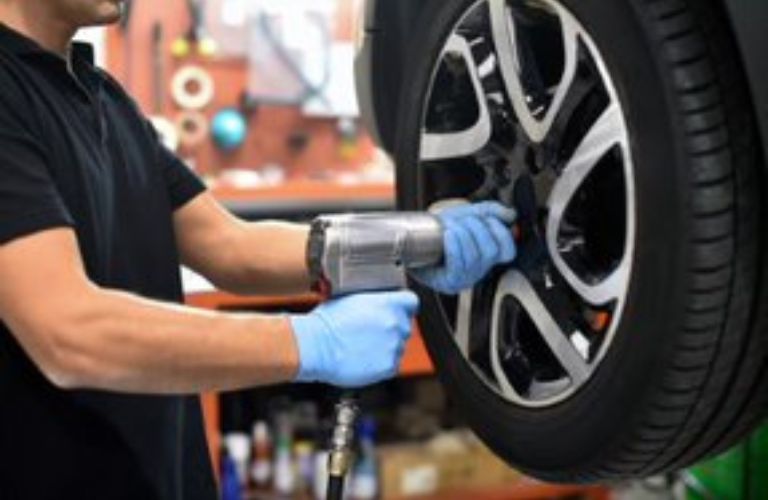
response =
{"points": [[477, 238], [354, 341]]}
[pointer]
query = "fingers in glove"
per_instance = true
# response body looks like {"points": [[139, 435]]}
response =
{"points": [[437, 277], [470, 249], [454, 251], [408, 300], [484, 240], [496, 210], [454, 211], [483, 209], [503, 237]]}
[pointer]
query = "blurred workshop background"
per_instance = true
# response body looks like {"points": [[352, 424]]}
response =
{"points": [[258, 97]]}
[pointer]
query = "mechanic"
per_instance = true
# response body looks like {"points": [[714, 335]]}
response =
{"points": [[95, 218]]}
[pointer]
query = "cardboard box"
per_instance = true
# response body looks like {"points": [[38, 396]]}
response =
{"points": [[407, 471], [414, 470]]}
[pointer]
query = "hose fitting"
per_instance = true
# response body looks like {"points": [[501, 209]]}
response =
{"points": [[340, 458]]}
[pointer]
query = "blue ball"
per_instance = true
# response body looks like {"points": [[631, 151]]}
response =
{"points": [[229, 129]]}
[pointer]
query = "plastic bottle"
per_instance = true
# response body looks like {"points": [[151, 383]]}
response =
{"points": [[304, 451], [239, 448], [365, 474], [321, 474], [230, 484], [261, 466], [285, 473]]}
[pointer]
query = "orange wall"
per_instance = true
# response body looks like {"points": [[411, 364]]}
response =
{"points": [[269, 129]]}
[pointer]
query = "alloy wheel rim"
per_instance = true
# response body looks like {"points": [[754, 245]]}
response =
{"points": [[521, 109]]}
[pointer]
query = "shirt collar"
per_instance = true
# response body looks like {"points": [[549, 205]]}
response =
{"points": [[17, 43], [21, 45]]}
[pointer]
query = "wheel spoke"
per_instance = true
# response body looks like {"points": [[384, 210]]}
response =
{"points": [[440, 146], [463, 321], [522, 110], [580, 90], [607, 132], [516, 285], [505, 39]]}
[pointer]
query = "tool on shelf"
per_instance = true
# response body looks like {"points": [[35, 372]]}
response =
{"points": [[196, 38]]}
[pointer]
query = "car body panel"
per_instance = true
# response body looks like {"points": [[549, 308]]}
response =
{"points": [[749, 21], [381, 60]]}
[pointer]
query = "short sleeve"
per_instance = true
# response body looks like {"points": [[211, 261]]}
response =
{"points": [[29, 199], [182, 184]]}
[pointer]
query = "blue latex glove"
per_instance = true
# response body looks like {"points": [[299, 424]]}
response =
{"points": [[354, 341], [477, 238]]}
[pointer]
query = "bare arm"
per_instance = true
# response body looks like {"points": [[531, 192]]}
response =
{"points": [[242, 257], [83, 336]]}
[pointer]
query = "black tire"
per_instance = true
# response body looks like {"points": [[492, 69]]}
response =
{"points": [[685, 377]]}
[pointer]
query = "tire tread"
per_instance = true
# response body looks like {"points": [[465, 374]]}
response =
{"points": [[707, 396]]}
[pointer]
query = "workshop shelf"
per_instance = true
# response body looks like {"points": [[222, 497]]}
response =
{"points": [[415, 358]]}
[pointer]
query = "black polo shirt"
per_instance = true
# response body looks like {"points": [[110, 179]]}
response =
{"points": [[76, 152]]}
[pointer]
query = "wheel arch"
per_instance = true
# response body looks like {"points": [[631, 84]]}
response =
{"points": [[389, 25], [747, 19]]}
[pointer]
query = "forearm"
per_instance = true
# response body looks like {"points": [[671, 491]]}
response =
{"points": [[250, 258], [119, 342], [274, 260], [269, 258], [82, 336]]}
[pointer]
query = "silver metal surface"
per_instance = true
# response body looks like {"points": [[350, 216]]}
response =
{"points": [[607, 132], [461, 143], [370, 252], [343, 437], [515, 284], [463, 321], [504, 37]]}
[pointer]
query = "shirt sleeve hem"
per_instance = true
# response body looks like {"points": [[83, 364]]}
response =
{"points": [[31, 223], [186, 193]]}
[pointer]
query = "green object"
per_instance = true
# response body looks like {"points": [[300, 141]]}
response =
{"points": [[739, 474]]}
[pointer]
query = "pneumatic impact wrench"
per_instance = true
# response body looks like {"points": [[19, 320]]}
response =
{"points": [[365, 253]]}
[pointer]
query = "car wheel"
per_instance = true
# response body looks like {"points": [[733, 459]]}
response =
{"points": [[627, 338]]}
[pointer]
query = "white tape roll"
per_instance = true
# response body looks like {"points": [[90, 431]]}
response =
{"points": [[166, 129], [192, 88], [192, 127]]}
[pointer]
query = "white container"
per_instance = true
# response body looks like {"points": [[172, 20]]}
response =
{"points": [[239, 447]]}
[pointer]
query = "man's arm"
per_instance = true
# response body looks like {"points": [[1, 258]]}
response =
{"points": [[83, 336], [260, 258]]}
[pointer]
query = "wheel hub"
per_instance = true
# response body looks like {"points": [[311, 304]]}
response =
{"points": [[522, 110]]}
